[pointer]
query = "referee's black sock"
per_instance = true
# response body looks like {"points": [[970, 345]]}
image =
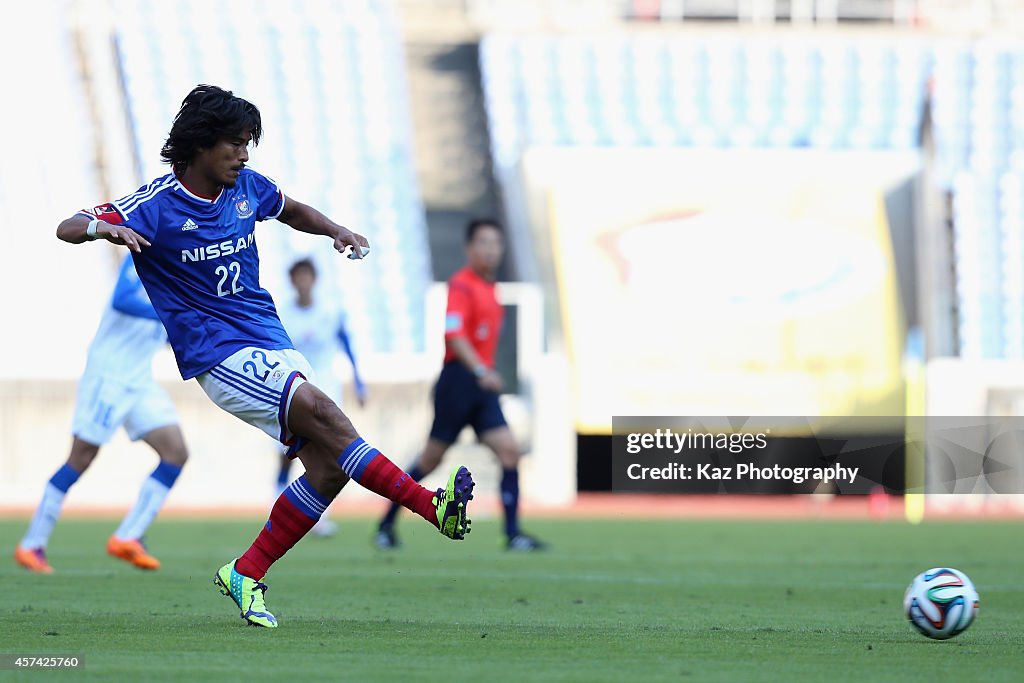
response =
{"points": [[510, 500]]}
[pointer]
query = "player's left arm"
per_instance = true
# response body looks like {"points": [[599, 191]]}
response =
{"points": [[305, 218]]}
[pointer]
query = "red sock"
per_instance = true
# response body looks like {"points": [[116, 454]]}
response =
{"points": [[384, 478], [293, 515]]}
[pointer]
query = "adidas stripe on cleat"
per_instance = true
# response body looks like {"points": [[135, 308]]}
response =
{"points": [[450, 503]]}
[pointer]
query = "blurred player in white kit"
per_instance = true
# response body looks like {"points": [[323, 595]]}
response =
{"points": [[318, 329], [117, 389]]}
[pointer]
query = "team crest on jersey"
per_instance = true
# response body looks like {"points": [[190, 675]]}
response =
{"points": [[242, 207]]}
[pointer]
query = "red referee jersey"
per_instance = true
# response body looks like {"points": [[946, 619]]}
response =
{"points": [[473, 313]]}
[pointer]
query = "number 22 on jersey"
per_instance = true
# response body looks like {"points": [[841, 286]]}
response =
{"points": [[233, 270]]}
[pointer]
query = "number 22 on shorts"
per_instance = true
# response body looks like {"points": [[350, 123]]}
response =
{"points": [[250, 366]]}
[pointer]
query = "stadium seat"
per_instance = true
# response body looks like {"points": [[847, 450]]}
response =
{"points": [[806, 91], [331, 92]]}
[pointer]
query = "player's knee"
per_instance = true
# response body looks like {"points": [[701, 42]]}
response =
{"points": [[82, 455], [171, 450], [176, 456], [81, 461], [332, 421], [509, 458], [430, 458]]}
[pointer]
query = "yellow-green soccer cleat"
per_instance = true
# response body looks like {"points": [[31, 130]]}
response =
{"points": [[247, 594], [450, 503]]}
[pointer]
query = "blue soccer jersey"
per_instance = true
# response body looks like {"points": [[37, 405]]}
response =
{"points": [[202, 270]]}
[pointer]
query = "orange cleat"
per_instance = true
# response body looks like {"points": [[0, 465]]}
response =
{"points": [[33, 560], [133, 552]]}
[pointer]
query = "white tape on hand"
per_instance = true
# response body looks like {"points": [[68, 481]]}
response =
{"points": [[362, 250]]}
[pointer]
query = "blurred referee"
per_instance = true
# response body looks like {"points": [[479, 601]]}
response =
{"points": [[467, 390]]}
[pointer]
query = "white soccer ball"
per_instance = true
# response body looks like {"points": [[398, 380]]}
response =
{"points": [[941, 602]]}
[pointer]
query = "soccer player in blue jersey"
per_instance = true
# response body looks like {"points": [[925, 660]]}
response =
{"points": [[117, 389], [192, 236]]}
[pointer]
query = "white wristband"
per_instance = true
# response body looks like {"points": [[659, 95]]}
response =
{"points": [[90, 232]]}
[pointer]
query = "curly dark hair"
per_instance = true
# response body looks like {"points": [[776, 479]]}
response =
{"points": [[208, 114]]}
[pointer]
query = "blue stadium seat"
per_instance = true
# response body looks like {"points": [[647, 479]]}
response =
{"points": [[338, 134], [804, 92]]}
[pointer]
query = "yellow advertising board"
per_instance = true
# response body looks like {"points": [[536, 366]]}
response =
{"points": [[725, 282]]}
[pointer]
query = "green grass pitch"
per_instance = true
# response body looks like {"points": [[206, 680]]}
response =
{"points": [[614, 601]]}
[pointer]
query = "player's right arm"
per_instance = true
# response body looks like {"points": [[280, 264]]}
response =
{"points": [[76, 230]]}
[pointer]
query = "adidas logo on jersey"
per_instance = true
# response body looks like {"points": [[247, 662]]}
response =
{"points": [[189, 225]]}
